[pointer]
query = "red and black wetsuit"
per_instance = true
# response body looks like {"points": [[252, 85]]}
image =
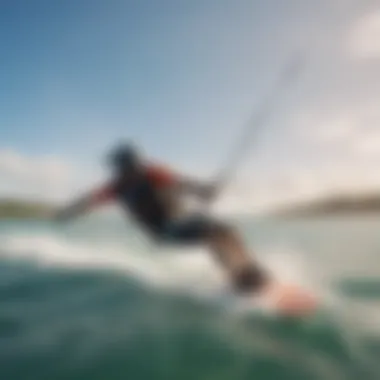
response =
{"points": [[142, 199]]}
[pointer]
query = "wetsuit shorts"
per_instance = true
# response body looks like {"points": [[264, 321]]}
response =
{"points": [[193, 229]]}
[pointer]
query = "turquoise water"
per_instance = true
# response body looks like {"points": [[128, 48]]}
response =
{"points": [[94, 301]]}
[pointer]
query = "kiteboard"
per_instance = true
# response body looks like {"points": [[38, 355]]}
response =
{"points": [[289, 300]]}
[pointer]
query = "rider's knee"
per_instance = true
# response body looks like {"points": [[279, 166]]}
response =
{"points": [[249, 279]]}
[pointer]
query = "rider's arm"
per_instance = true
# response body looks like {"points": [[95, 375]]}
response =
{"points": [[87, 202]]}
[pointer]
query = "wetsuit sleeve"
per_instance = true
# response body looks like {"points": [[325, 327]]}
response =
{"points": [[161, 176], [88, 202]]}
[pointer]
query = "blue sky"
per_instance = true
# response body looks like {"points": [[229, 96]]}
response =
{"points": [[179, 77], [80, 74]]}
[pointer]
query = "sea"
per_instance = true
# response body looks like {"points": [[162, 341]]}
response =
{"points": [[95, 300]]}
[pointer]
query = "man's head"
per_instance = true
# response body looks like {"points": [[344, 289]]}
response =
{"points": [[125, 159]]}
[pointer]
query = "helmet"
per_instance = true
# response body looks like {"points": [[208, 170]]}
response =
{"points": [[124, 157]]}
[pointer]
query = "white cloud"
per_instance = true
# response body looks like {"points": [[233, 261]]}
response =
{"points": [[331, 142], [325, 129], [369, 145], [364, 39], [45, 168], [351, 132], [35, 176], [327, 151]]}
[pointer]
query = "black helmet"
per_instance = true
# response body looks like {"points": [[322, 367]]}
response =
{"points": [[124, 157]]}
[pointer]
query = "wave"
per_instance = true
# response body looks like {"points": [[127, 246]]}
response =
{"points": [[192, 271], [180, 269]]}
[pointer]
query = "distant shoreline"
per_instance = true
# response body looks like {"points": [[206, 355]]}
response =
{"points": [[24, 209], [329, 206], [337, 205]]}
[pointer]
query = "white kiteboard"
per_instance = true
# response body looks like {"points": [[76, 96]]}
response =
{"points": [[288, 300]]}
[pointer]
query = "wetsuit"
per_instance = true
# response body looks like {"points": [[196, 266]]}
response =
{"points": [[143, 200]]}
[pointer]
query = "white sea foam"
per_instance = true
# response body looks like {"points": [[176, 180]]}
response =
{"points": [[154, 267], [173, 269]]}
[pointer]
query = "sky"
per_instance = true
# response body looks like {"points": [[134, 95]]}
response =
{"points": [[180, 78]]}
